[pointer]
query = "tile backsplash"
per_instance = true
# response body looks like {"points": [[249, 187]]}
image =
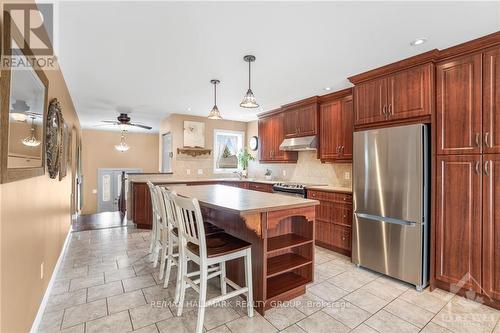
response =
{"points": [[308, 169]]}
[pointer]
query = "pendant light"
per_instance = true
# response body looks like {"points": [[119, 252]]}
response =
{"points": [[31, 140], [249, 99], [215, 113], [123, 146]]}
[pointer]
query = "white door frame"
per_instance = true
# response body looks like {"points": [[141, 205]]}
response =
{"points": [[99, 184]]}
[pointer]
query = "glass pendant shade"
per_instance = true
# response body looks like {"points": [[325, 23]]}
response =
{"points": [[31, 140], [215, 113], [123, 146], [249, 100], [18, 116]]}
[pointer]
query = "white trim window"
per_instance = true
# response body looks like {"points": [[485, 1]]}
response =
{"points": [[227, 145]]}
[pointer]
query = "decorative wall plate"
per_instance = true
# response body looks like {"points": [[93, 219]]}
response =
{"points": [[54, 138]]}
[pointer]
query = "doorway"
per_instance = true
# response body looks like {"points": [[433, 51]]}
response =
{"points": [[166, 152], [109, 187]]}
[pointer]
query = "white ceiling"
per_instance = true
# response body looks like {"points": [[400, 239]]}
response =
{"points": [[158, 57]]}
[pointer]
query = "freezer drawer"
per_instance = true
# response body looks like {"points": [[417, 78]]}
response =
{"points": [[389, 246]]}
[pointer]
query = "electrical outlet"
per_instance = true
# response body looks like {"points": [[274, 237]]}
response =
{"points": [[41, 270], [188, 171], [200, 171], [347, 175], [284, 173]]}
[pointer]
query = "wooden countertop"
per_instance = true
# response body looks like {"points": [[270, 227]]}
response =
{"points": [[239, 200], [329, 188]]}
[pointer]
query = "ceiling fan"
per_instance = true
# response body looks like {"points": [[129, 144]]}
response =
{"points": [[123, 120]]}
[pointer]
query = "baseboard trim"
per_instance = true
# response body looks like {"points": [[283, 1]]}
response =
{"points": [[43, 304]]}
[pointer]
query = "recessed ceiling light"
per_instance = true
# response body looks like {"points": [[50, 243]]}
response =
{"points": [[418, 41], [189, 109], [328, 88]]}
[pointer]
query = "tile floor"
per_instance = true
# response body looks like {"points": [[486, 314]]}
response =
{"points": [[107, 284]]}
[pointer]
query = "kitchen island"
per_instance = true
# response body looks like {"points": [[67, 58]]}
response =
{"points": [[280, 229]]}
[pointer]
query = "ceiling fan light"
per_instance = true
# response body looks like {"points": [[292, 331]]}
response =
{"points": [[249, 100], [122, 147], [214, 113], [31, 141]]}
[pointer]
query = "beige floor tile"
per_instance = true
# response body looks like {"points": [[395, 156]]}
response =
{"points": [[384, 322], [60, 287], [385, 289], [184, 324], [424, 299], [115, 323], [102, 267], [349, 280], [220, 329], [138, 282], [66, 300], [158, 293], [218, 315], [86, 282], [293, 329], [250, 325], [347, 313], [126, 301], [104, 290], [366, 300], [72, 273], [284, 316], [84, 312], [327, 291], [320, 322], [80, 328], [463, 315], [51, 321], [434, 328], [147, 329], [409, 312], [363, 329], [120, 274], [146, 314], [308, 303]]}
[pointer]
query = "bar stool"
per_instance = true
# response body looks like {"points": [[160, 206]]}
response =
{"points": [[208, 250], [160, 230], [155, 218]]}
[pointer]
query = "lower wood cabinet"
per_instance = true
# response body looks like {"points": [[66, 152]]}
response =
{"points": [[260, 187], [333, 220]]}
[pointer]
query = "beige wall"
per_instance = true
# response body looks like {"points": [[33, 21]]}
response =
{"points": [[175, 124], [308, 168], [35, 217], [99, 152]]}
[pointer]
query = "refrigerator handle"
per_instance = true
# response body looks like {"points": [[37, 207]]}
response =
{"points": [[386, 219]]}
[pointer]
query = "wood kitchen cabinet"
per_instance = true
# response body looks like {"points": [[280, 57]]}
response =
{"points": [[491, 225], [301, 121], [271, 135], [336, 129], [458, 221], [333, 220], [459, 105], [491, 100], [394, 95]]}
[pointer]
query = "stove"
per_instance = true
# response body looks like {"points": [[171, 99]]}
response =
{"points": [[295, 189]]}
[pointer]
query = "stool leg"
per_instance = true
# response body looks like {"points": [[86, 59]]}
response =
{"points": [[163, 252], [156, 249], [223, 286], [182, 285], [203, 297], [248, 280], [152, 239], [170, 259]]}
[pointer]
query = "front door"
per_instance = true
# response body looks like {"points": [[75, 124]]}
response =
{"points": [[167, 154], [109, 186]]}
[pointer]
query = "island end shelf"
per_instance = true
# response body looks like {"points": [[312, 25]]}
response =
{"points": [[280, 229]]}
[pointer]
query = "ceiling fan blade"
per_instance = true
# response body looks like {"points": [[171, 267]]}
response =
{"points": [[114, 122], [140, 125]]}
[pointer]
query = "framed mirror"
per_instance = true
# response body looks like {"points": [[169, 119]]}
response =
{"points": [[24, 94]]}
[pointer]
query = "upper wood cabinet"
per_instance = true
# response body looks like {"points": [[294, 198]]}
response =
{"points": [[458, 105], [271, 134], [458, 221], [399, 92], [491, 225], [491, 100], [336, 128], [301, 118]]}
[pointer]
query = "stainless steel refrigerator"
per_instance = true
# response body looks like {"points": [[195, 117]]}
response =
{"points": [[391, 202]]}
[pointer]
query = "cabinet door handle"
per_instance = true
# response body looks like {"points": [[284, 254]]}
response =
{"points": [[478, 140], [486, 168], [478, 165], [389, 110], [384, 110], [342, 148], [486, 139]]}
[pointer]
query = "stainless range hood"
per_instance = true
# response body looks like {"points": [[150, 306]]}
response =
{"points": [[297, 144]]}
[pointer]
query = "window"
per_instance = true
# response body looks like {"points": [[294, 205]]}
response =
{"points": [[227, 144]]}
